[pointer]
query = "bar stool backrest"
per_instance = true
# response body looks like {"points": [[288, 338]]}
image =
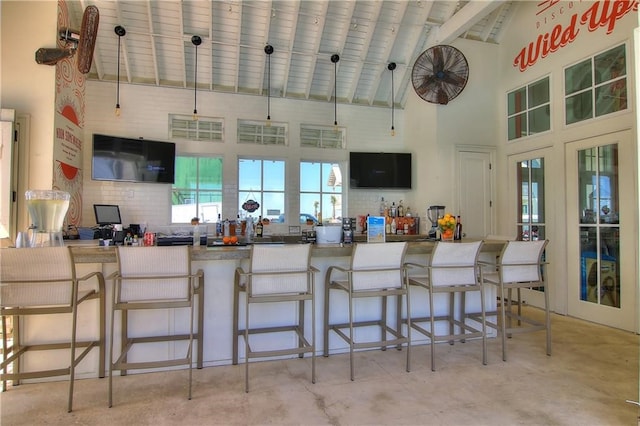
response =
{"points": [[525, 258], [28, 276], [454, 263], [377, 265], [171, 266], [279, 269]]}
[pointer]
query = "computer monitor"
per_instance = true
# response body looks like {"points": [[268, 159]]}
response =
{"points": [[107, 214]]}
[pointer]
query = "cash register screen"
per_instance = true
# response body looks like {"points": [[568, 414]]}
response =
{"points": [[107, 214]]}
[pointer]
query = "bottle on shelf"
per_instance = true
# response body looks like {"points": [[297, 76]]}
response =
{"points": [[383, 208], [393, 211], [238, 227], [259, 227], [226, 228], [219, 226], [457, 233], [400, 209], [394, 226]]}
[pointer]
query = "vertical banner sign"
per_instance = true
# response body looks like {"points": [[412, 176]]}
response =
{"points": [[69, 124]]}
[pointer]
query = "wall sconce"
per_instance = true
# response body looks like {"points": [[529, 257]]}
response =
{"points": [[120, 32], [335, 58], [268, 49], [197, 41], [391, 67]]}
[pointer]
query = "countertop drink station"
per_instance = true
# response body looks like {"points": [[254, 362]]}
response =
{"points": [[47, 209]]}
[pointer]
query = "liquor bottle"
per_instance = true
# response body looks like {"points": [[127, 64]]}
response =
{"points": [[394, 226], [259, 227], [457, 233], [400, 209], [226, 228], [238, 227], [219, 226], [394, 210], [383, 207]]}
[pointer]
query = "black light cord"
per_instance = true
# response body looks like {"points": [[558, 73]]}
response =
{"points": [[196, 40]]}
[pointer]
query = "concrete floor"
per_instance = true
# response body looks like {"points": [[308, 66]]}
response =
{"points": [[591, 374]]}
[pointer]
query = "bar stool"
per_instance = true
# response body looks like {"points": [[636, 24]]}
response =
{"points": [[277, 274], [376, 270], [154, 278], [43, 281], [452, 269], [520, 265]]}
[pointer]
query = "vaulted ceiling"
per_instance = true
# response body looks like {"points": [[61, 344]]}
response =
{"points": [[367, 35]]}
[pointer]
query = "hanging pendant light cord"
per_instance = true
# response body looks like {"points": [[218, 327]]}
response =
{"points": [[120, 31], [195, 85], [391, 67], [335, 58], [269, 89]]}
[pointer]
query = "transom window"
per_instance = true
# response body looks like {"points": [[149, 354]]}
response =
{"points": [[197, 191], [321, 136], [203, 129], [262, 181], [262, 133], [596, 86], [320, 191], [529, 110]]}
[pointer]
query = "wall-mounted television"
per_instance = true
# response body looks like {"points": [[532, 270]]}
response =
{"points": [[380, 170], [132, 160]]}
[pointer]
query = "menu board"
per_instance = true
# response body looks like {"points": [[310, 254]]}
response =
{"points": [[375, 229]]}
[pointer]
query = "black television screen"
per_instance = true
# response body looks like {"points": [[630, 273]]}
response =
{"points": [[384, 170], [107, 214], [132, 160]]}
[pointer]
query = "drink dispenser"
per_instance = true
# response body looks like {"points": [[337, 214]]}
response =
{"points": [[47, 209]]}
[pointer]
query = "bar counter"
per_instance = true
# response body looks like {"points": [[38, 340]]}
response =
{"points": [[219, 264]]}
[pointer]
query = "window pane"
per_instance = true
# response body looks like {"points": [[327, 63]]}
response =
{"points": [[610, 64], [186, 172], [579, 107], [517, 101], [273, 176], [210, 175], [310, 204], [540, 119], [249, 175], [539, 93], [309, 177], [578, 77], [611, 97], [517, 126]]}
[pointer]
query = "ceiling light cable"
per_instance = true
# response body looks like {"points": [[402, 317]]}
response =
{"points": [[196, 40], [335, 58], [391, 67], [120, 31], [268, 49]]}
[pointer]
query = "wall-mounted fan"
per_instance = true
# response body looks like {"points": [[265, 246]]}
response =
{"points": [[439, 74], [82, 41]]}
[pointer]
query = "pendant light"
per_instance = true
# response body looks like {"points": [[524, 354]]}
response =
{"points": [[335, 58], [391, 67], [197, 41], [120, 31], [268, 49]]}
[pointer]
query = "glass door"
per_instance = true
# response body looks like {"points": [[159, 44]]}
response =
{"points": [[601, 240]]}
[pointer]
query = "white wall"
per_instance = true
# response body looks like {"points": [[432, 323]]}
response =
{"points": [[145, 111], [26, 86]]}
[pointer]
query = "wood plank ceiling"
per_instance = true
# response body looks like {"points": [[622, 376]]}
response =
{"points": [[366, 34]]}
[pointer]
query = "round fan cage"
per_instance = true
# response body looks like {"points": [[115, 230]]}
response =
{"points": [[439, 74]]}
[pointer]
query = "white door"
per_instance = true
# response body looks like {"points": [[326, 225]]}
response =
{"points": [[602, 235], [475, 194]]}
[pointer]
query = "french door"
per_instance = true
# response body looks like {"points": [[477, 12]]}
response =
{"points": [[601, 231]]}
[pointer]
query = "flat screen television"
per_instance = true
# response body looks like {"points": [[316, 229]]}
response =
{"points": [[132, 160], [107, 214], [380, 170]]}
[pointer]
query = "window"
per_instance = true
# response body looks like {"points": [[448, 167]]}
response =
{"points": [[596, 86], [197, 191], [321, 136], [257, 132], [531, 199], [204, 129], [321, 190], [599, 203], [529, 110], [262, 181]]}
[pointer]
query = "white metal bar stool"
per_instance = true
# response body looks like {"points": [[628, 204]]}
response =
{"points": [[154, 278], [452, 269], [43, 281], [277, 274], [376, 270]]}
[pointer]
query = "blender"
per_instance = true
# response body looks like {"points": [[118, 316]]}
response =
{"points": [[47, 209], [433, 214]]}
